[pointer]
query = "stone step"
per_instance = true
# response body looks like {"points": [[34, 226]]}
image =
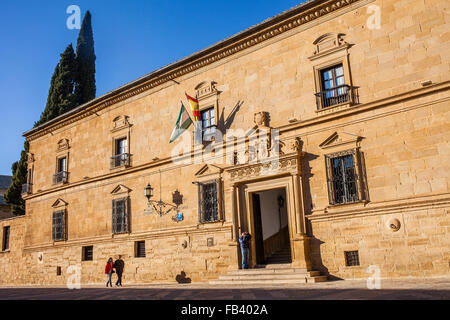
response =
{"points": [[273, 272], [275, 266], [273, 276], [269, 281]]}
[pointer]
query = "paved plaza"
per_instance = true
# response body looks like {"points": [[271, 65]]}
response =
{"points": [[401, 289]]}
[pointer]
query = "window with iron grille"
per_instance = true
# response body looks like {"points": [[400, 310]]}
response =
{"points": [[208, 204], [351, 258], [140, 249], [59, 226], [120, 216], [342, 178], [88, 253], [5, 245]]}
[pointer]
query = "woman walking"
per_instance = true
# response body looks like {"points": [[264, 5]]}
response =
{"points": [[109, 271]]}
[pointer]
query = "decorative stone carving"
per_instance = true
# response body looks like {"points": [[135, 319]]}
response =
{"points": [[206, 89], [261, 119], [119, 123], [394, 225], [63, 144], [287, 164], [329, 43]]}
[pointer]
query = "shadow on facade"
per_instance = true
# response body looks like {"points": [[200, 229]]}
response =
{"points": [[316, 257], [225, 125]]}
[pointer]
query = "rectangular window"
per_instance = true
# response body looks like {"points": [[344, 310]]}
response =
{"points": [[342, 179], [121, 157], [119, 216], [208, 202], [208, 122], [5, 245], [61, 175], [59, 226], [351, 258], [121, 146], [334, 89], [140, 249], [62, 164], [88, 253]]}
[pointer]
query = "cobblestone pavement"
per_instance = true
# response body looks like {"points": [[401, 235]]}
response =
{"points": [[404, 289]]}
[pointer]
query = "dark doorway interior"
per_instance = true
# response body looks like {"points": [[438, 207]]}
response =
{"points": [[259, 240], [271, 232]]}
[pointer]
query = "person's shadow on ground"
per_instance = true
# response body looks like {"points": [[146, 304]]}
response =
{"points": [[181, 278]]}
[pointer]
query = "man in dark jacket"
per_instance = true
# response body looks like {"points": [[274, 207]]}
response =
{"points": [[119, 265], [244, 241]]}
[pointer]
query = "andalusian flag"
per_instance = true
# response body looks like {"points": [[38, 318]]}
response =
{"points": [[183, 123], [194, 107]]}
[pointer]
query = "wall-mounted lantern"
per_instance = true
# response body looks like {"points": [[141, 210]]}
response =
{"points": [[160, 207]]}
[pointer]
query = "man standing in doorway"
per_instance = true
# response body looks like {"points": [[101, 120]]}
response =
{"points": [[119, 265], [244, 241]]}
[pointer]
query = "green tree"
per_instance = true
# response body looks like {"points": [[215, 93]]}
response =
{"points": [[61, 96], [85, 87], [13, 196]]}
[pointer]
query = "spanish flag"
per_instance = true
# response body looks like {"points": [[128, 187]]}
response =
{"points": [[194, 107]]}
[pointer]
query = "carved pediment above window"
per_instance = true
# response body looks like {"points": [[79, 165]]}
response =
{"points": [[329, 43], [120, 190], [341, 139], [63, 144], [119, 123], [208, 171], [59, 203], [206, 89]]}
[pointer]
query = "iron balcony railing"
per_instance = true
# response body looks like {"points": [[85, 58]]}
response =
{"points": [[61, 177], [338, 95], [120, 160], [27, 188]]}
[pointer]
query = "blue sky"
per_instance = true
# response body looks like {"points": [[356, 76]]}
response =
{"points": [[132, 38]]}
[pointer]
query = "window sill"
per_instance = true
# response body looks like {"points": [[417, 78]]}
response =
{"points": [[346, 205], [335, 108], [124, 167], [5, 251], [210, 222]]}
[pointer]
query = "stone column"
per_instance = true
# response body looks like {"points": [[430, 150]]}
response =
{"points": [[300, 241]]}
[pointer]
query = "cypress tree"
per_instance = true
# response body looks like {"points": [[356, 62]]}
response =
{"points": [[61, 93], [13, 196], [85, 88]]}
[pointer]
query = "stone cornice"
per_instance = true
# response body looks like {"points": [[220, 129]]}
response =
{"points": [[256, 35]]}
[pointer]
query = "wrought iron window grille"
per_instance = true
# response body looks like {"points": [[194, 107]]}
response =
{"points": [[208, 202], [337, 95], [120, 160], [61, 177], [342, 178]]}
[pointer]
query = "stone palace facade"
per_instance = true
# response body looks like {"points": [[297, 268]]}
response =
{"points": [[325, 134]]}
